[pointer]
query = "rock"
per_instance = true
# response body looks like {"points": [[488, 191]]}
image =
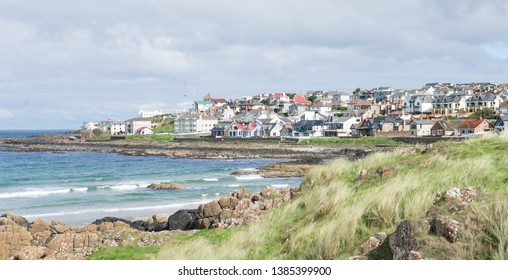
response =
{"points": [[373, 242], [5, 221], [157, 222], [59, 227], [30, 253], [415, 255], [404, 239], [447, 227], [460, 198], [240, 194], [41, 232], [182, 220], [166, 186], [385, 171], [17, 219], [228, 202], [363, 174], [268, 191], [211, 209], [13, 239]]}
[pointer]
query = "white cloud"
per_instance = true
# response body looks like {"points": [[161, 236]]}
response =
{"points": [[6, 114]]}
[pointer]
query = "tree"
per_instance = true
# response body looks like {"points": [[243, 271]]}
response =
{"points": [[486, 113], [357, 91], [312, 98]]}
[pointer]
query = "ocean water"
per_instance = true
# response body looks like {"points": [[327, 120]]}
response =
{"points": [[30, 133], [79, 187]]}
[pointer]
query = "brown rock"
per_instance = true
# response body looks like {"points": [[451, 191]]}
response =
{"points": [[166, 186], [30, 253], [13, 238], [373, 242], [41, 232], [268, 191], [211, 209], [447, 227], [385, 171], [228, 202], [17, 219], [4, 222], [60, 244], [363, 174], [59, 227]]}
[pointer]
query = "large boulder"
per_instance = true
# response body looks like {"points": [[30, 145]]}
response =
{"points": [[17, 219], [41, 232], [13, 238], [447, 227], [182, 220], [157, 222]]}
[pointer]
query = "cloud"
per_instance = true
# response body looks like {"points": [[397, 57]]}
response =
{"points": [[103, 59], [6, 114]]}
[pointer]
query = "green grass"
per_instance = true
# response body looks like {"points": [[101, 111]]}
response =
{"points": [[336, 211], [131, 252], [363, 141], [152, 137], [102, 137]]}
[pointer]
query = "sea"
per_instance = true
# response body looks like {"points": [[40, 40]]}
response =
{"points": [[80, 187]]}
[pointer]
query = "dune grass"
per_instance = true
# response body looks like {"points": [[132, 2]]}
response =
{"points": [[336, 211]]}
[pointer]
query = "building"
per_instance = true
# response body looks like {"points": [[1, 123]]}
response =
{"points": [[149, 113], [500, 126], [113, 127], [340, 127], [442, 128], [473, 127], [308, 128], [420, 128], [202, 106], [418, 104], [195, 123], [449, 105], [483, 101], [133, 126]]}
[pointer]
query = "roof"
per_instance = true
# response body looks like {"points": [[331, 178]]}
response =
{"points": [[203, 102], [445, 125], [423, 122], [300, 99], [219, 100], [471, 123]]}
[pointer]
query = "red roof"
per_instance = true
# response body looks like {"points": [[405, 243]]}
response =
{"points": [[471, 124], [219, 100], [277, 95], [300, 99], [244, 127]]}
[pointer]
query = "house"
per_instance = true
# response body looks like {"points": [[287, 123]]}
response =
{"points": [[420, 128], [442, 128], [340, 127], [221, 129], [202, 106], [482, 101], [240, 130], [312, 115], [418, 104], [272, 128], [308, 128], [144, 131], [360, 107], [500, 126], [473, 127], [503, 109], [194, 123], [364, 128], [297, 109], [279, 98], [90, 126], [387, 124], [133, 126], [112, 127], [298, 99], [449, 105], [324, 109], [149, 113]]}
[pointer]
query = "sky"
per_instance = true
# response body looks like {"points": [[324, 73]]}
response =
{"points": [[66, 62]]}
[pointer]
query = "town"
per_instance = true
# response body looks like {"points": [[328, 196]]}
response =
{"points": [[435, 110]]}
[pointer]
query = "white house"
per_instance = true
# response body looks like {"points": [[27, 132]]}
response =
{"points": [[340, 127], [418, 104], [149, 113], [194, 123], [420, 127], [133, 126], [308, 128], [90, 126], [113, 127]]}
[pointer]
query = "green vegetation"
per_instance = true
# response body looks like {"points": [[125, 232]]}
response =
{"points": [[164, 126], [337, 211], [152, 137], [486, 113], [102, 137], [131, 252], [363, 141]]}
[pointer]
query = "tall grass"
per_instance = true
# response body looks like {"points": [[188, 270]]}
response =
{"points": [[337, 211]]}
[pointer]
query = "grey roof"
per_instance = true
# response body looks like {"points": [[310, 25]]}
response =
{"points": [[424, 122], [448, 99], [483, 97], [446, 125]]}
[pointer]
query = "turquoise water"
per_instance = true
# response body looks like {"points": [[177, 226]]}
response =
{"points": [[31, 133], [79, 187]]}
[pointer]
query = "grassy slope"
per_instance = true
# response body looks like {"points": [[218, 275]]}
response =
{"points": [[337, 212]]}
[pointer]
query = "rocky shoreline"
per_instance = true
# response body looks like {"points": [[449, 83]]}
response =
{"points": [[187, 149], [22, 240]]}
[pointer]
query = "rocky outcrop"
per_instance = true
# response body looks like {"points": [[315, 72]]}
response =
{"points": [[39, 240], [182, 220], [166, 186], [240, 208], [296, 168]]}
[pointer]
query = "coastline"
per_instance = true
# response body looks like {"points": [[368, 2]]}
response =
{"points": [[192, 149]]}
